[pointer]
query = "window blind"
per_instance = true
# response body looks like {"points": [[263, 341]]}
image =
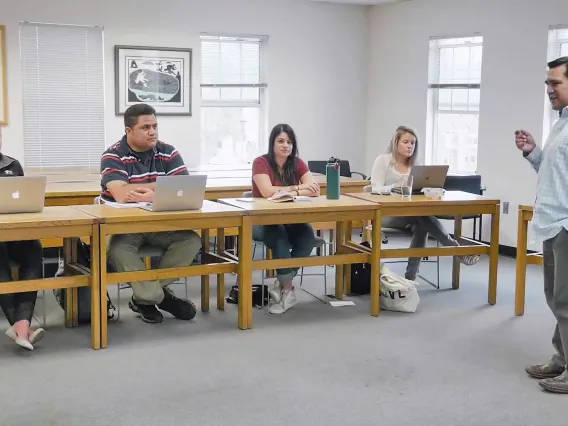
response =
{"points": [[231, 69], [557, 42], [457, 62], [63, 95]]}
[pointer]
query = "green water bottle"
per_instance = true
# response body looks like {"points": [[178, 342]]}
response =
{"points": [[332, 179]]}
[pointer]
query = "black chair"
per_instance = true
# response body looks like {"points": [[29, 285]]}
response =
{"points": [[466, 183], [344, 168]]}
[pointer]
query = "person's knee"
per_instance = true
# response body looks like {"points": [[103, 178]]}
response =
{"points": [[189, 244], [122, 253]]}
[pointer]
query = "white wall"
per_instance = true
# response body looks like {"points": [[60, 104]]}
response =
{"points": [[317, 62], [512, 94]]}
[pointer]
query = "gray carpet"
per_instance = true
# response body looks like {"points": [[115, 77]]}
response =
{"points": [[455, 361]]}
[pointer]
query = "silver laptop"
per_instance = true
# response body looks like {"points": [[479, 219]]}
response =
{"points": [[181, 192], [426, 177], [22, 194]]}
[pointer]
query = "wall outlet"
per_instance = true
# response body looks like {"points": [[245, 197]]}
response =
{"points": [[506, 207]]}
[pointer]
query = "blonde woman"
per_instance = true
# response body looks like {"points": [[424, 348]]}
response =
{"points": [[388, 170]]}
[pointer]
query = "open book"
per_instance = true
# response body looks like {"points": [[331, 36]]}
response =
{"points": [[284, 197]]}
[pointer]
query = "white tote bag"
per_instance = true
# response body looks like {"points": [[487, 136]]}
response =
{"points": [[397, 293]]}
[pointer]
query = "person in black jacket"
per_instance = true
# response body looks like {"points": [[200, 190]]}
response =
{"points": [[19, 307]]}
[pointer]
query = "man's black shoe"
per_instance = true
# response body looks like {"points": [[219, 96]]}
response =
{"points": [[148, 313], [180, 308]]}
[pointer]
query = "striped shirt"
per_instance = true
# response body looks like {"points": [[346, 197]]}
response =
{"points": [[121, 163], [551, 164]]}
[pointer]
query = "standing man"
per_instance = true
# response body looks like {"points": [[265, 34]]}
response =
{"points": [[550, 222], [129, 170]]}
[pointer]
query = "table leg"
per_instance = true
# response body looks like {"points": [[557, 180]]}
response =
{"points": [[455, 261], [95, 289], [103, 285], [71, 302], [494, 255], [220, 277], [347, 268], [205, 287], [376, 239], [521, 265], [339, 241], [245, 274]]}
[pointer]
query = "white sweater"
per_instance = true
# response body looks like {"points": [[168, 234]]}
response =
{"points": [[384, 172]]}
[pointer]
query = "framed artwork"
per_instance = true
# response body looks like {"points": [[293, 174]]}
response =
{"points": [[157, 76], [3, 79]]}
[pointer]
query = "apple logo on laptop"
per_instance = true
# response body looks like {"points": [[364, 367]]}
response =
{"points": [[16, 195], [180, 193]]}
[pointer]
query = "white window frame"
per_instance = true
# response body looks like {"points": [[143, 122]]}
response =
{"points": [[67, 166], [431, 149], [557, 38], [262, 86]]}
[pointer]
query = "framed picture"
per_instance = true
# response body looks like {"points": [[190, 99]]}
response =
{"points": [[157, 76], [3, 79]]}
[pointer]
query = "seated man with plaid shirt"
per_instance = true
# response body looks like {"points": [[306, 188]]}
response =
{"points": [[129, 170]]}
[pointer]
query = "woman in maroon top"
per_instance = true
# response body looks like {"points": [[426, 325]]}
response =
{"points": [[281, 170]]}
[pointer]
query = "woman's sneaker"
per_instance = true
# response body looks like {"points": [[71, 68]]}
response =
{"points": [[275, 291], [469, 259], [287, 300]]}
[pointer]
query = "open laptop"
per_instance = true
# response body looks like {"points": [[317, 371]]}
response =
{"points": [[426, 177], [180, 192], [22, 194]]}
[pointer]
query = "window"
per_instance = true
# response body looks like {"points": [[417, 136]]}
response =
{"points": [[557, 47], [233, 99], [454, 97], [63, 95]]}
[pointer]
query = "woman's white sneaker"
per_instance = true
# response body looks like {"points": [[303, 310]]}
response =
{"points": [[287, 300], [275, 291]]}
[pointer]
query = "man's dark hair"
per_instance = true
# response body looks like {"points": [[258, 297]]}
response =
{"points": [[132, 113], [558, 63]]}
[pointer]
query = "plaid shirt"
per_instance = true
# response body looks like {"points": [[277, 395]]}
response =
{"points": [[551, 164]]}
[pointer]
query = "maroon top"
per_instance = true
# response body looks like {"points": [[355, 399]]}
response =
{"points": [[261, 166]]}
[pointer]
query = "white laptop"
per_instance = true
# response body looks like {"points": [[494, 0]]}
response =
{"points": [[22, 194], [180, 192], [426, 177]]}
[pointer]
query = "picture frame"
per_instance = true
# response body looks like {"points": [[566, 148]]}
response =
{"points": [[157, 76], [3, 78]]}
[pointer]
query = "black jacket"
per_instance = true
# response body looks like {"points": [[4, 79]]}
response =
{"points": [[10, 167]]}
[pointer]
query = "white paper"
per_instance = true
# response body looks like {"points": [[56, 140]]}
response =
{"points": [[246, 200], [337, 303], [125, 205]]}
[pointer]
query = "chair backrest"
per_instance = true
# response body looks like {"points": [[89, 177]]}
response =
{"points": [[465, 183], [319, 167], [247, 194]]}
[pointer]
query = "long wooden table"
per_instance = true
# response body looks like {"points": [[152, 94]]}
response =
{"points": [[112, 221], [523, 257], [67, 223], [67, 191], [453, 203], [342, 211]]}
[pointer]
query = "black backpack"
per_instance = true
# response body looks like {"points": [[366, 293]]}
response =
{"points": [[84, 293], [257, 301], [361, 276]]}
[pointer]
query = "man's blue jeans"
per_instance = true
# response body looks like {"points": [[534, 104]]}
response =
{"points": [[286, 242]]}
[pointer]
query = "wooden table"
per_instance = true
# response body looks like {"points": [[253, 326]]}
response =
{"points": [[218, 216], [523, 258], [453, 203], [66, 223], [345, 210], [68, 191]]}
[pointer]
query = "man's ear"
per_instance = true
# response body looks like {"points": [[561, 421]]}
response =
{"points": [[128, 131]]}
